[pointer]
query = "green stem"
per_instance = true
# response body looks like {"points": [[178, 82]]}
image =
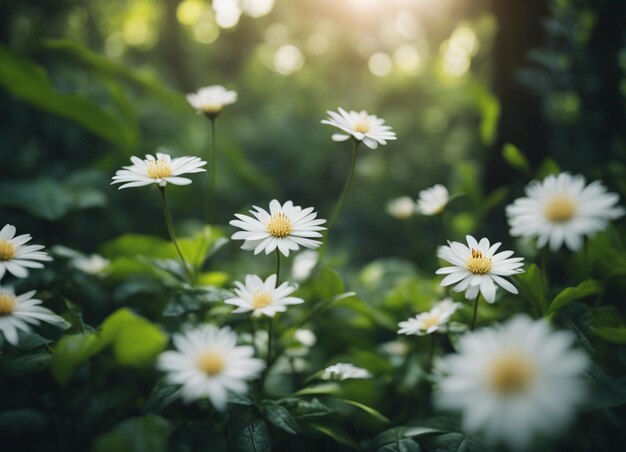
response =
{"points": [[475, 312], [431, 352], [277, 266], [346, 189], [170, 230], [213, 181]]}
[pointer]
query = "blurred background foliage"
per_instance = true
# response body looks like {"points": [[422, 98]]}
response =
{"points": [[484, 96]]}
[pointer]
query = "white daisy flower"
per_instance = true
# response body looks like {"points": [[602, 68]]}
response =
{"points": [[344, 371], [514, 382], [208, 363], [477, 267], [15, 257], [303, 265], [305, 337], [210, 100], [433, 200], [561, 209], [401, 208], [431, 321], [93, 264], [369, 129], [19, 312], [262, 297], [160, 170], [285, 227]]}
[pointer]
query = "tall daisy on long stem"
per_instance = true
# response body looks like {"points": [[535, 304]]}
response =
{"points": [[160, 171], [210, 101]]}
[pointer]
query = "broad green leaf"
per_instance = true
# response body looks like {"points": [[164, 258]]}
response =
{"points": [[334, 432], [163, 395], [614, 335], [70, 352], [531, 288], [452, 442], [328, 284], [515, 158], [247, 431], [401, 445], [323, 388], [132, 245], [29, 82], [280, 416], [303, 409], [607, 391], [566, 296], [548, 166], [369, 410], [141, 434], [23, 365], [136, 342]]}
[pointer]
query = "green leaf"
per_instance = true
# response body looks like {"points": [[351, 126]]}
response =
{"points": [[368, 409], [335, 433], [515, 158], [247, 431], [566, 296], [29, 82], [607, 391], [70, 352], [401, 445], [141, 434], [163, 395], [24, 364], [23, 420], [303, 409], [531, 288], [614, 335], [323, 388], [329, 284], [280, 417], [136, 342], [452, 442], [548, 166], [132, 245]]}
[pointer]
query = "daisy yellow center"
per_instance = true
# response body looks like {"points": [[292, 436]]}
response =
{"points": [[362, 126], [478, 263], [510, 374], [430, 321], [211, 108], [159, 169], [279, 225], [7, 250], [261, 300], [211, 363], [7, 304], [560, 209]]}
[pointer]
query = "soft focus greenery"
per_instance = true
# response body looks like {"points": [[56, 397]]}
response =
{"points": [[86, 84]]}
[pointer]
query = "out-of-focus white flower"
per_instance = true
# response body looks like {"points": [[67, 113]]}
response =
{"points": [[160, 170], [210, 100], [15, 256], [514, 382], [478, 268], [285, 227], [19, 312], [344, 371], [305, 337], [429, 322], [401, 208], [93, 264], [433, 201], [561, 209], [208, 363], [262, 297], [303, 265], [361, 126]]}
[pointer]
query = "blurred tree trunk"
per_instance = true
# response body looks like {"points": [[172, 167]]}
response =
{"points": [[171, 46], [521, 120]]}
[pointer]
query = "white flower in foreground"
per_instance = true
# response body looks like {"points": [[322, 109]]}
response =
{"points": [[561, 209], [15, 257], [401, 208], [305, 337], [433, 200], [514, 382], [285, 227], [210, 100], [93, 264], [303, 265], [369, 129], [19, 312], [431, 321], [160, 170], [344, 371], [262, 297], [208, 363], [478, 268]]}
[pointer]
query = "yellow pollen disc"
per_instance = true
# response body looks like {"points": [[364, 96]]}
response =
{"points": [[428, 321], [7, 250], [211, 108], [261, 299], [362, 126], [478, 263], [211, 363], [560, 209], [511, 374], [158, 169], [7, 304], [279, 225]]}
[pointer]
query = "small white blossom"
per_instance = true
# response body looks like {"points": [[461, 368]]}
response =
{"points": [[401, 208], [262, 297], [369, 129], [15, 256], [344, 371], [433, 201], [210, 100], [429, 322], [160, 170]]}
